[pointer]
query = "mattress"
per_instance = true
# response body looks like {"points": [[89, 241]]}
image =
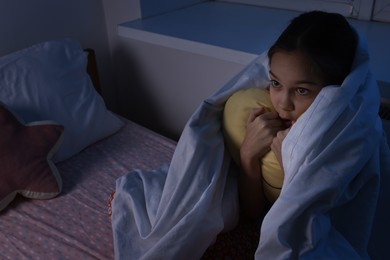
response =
{"points": [[76, 224]]}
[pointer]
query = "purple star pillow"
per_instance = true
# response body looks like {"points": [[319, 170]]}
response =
{"points": [[25, 158]]}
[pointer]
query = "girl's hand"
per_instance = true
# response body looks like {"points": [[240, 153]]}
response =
{"points": [[276, 145], [262, 127]]}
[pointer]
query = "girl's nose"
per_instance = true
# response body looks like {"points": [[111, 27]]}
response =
{"points": [[286, 102]]}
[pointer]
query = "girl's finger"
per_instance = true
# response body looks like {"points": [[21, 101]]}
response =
{"points": [[255, 113]]}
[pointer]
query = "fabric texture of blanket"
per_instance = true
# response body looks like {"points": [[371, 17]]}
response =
{"points": [[336, 161]]}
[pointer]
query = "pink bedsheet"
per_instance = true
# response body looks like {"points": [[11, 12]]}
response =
{"points": [[75, 225]]}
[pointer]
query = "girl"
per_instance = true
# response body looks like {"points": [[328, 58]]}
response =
{"points": [[315, 50]]}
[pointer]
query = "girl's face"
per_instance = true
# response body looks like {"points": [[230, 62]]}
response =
{"points": [[294, 84]]}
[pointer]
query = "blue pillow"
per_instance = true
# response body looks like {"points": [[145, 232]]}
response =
{"points": [[49, 81]]}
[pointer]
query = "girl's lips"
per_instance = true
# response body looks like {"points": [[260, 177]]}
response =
{"points": [[288, 122]]}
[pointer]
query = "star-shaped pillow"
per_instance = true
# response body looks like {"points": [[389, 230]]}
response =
{"points": [[25, 158]]}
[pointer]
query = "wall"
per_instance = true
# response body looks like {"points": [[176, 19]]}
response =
{"points": [[161, 87], [153, 7], [26, 22], [156, 86], [115, 12]]}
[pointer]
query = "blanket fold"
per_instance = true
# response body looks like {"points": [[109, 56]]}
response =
{"points": [[333, 172]]}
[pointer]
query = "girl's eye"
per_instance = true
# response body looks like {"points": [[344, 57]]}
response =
{"points": [[275, 84], [302, 91]]}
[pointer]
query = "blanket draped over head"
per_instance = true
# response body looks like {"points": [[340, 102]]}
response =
{"points": [[334, 199]]}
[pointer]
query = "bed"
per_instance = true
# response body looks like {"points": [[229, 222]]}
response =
{"points": [[73, 222], [55, 203], [91, 149]]}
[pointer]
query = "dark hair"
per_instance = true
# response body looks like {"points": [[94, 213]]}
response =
{"points": [[325, 38]]}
